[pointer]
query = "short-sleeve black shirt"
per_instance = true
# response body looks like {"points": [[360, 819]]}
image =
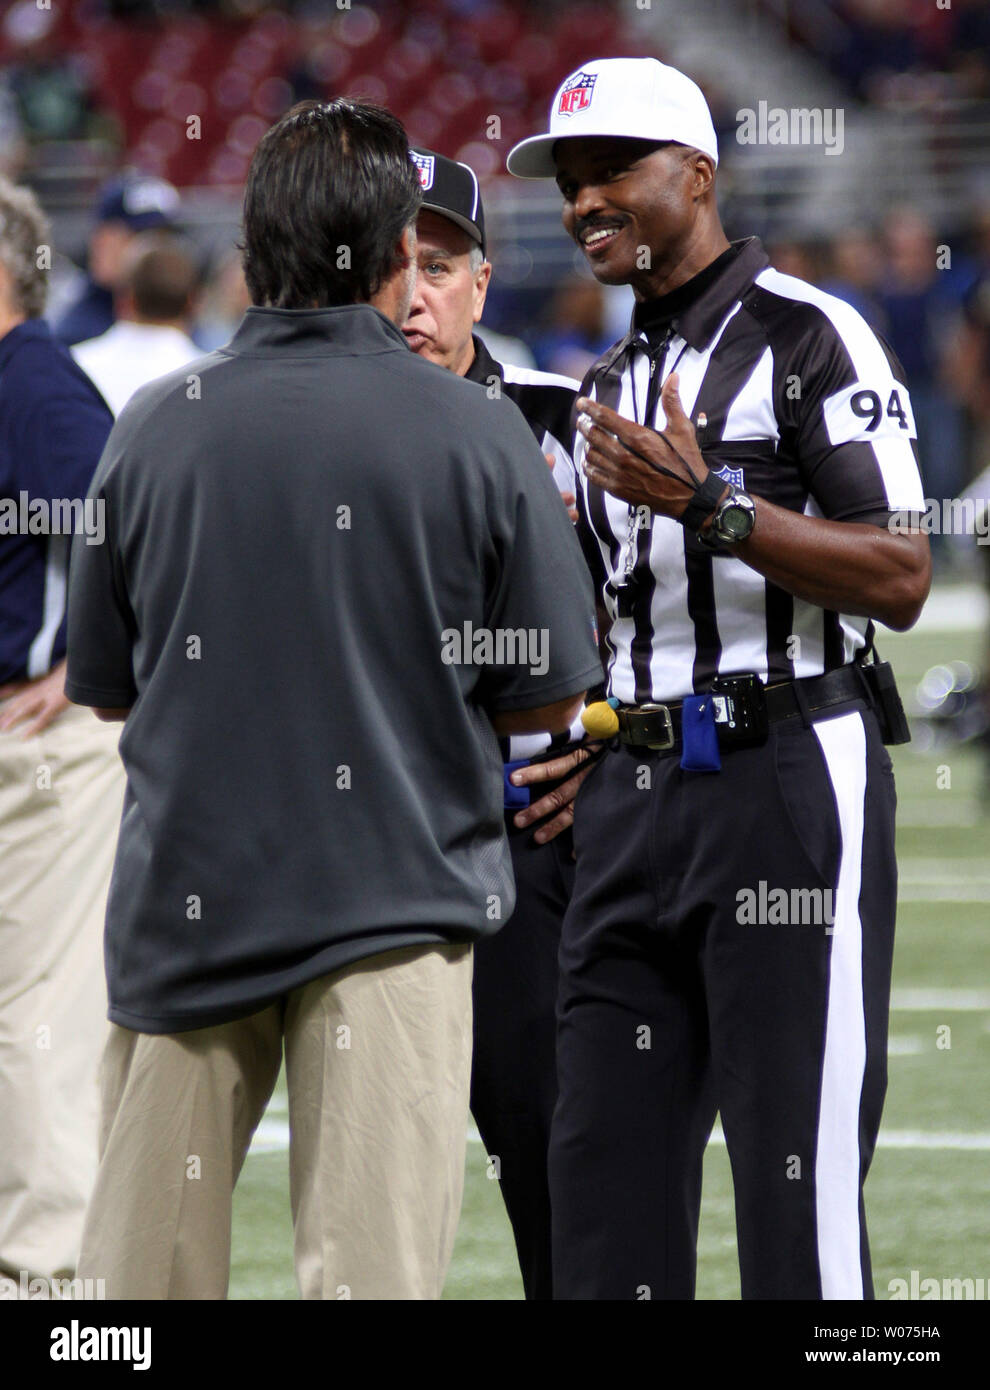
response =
{"points": [[295, 526]]}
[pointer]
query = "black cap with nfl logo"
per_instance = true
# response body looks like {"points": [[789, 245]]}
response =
{"points": [[451, 190]]}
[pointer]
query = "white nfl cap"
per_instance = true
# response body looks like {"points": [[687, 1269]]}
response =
{"points": [[638, 98]]}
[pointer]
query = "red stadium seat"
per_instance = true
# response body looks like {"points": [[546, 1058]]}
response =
{"points": [[445, 71], [367, 34], [495, 32]]}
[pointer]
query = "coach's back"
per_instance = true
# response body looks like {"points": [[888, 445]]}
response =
{"points": [[302, 529]]}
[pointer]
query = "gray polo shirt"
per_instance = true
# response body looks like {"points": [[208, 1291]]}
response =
{"points": [[327, 563]]}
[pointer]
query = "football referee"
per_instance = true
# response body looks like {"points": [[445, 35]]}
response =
{"points": [[728, 945]]}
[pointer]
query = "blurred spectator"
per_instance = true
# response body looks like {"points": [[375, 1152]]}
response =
{"points": [[980, 240], [792, 258], [577, 334], [880, 41], [971, 45], [128, 205], [49, 87], [153, 306], [222, 304], [61, 782], [968, 361], [854, 270], [13, 147], [972, 381], [920, 304], [318, 60], [893, 51], [723, 111]]}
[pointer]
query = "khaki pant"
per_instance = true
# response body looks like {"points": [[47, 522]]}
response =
{"points": [[378, 1061], [60, 803]]}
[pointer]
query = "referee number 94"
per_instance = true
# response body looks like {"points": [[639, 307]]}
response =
{"points": [[868, 406]]}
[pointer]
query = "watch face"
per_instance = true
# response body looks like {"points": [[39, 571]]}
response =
{"points": [[736, 522]]}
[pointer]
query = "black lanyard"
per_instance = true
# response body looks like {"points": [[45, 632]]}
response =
{"points": [[656, 356]]}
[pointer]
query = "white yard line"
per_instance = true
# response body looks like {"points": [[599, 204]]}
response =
{"points": [[913, 1139], [944, 893], [942, 881], [913, 870], [889, 1139], [272, 1135], [949, 1000], [940, 1139], [915, 813]]}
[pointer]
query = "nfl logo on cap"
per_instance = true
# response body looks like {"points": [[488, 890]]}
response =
{"points": [[625, 98], [426, 164], [576, 95]]}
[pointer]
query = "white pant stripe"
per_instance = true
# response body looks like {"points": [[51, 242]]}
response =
{"points": [[837, 1162]]}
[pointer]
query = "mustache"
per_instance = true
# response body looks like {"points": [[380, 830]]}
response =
{"points": [[595, 224]]}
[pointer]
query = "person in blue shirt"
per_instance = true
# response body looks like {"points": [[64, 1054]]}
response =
{"points": [[61, 783], [128, 205], [921, 297]]}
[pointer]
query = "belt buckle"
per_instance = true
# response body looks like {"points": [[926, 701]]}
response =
{"points": [[668, 730]]}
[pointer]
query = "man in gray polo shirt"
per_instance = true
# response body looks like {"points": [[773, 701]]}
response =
{"points": [[319, 602]]}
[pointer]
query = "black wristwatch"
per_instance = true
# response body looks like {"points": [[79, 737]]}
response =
{"points": [[734, 518]]}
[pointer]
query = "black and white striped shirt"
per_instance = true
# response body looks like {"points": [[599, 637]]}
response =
{"points": [[795, 399], [546, 400]]}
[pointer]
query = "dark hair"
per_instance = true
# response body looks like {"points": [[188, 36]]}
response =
{"points": [[161, 275], [330, 190]]}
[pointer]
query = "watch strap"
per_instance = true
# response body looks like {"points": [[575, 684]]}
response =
{"points": [[703, 503]]}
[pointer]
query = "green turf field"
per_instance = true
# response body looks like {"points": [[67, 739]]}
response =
{"points": [[928, 1197]]}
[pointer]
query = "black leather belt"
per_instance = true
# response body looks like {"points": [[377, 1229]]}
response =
{"points": [[659, 726]]}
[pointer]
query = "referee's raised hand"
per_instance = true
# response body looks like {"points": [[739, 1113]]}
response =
{"points": [[637, 463]]}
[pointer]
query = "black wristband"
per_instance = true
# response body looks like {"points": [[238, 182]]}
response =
{"points": [[703, 503]]}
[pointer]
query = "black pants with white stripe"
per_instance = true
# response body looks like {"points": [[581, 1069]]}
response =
{"points": [[728, 947], [513, 1074]]}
